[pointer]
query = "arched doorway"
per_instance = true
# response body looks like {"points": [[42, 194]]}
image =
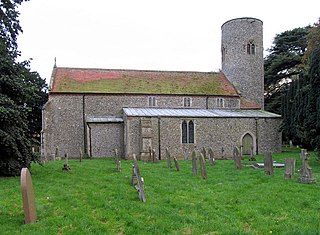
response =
{"points": [[247, 144]]}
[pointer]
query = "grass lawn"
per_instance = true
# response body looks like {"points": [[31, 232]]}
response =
{"points": [[95, 199]]}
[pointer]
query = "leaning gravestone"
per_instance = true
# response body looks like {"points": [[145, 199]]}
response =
{"points": [[289, 168], [268, 163], [137, 180], [29, 206], [194, 162], [305, 171], [237, 157], [211, 156], [203, 166], [176, 163]]}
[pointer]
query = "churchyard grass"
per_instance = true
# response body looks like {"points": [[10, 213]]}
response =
{"points": [[94, 198]]}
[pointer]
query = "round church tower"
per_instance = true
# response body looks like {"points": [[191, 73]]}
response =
{"points": [[242, 56]]}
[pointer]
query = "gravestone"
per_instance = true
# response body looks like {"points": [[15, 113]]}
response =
{"points": [[138, 182], [268, 164], [168, 158], [203, 166], [289, 168], [204, 152], [80, 155], [29, 206], [237, 157], [176, 163], [211, 156], [252, 157], [154, 157], [66, 166], [306, 176], [56, 154], [117, 160], [194, 162]]}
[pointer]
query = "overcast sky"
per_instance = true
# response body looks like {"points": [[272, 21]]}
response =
{"points": [[181, 35]]}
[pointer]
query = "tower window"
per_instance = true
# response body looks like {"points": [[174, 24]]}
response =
{"points": [[251, 48], [220, 102], [187, 132], [152, 101], [186, 102]]}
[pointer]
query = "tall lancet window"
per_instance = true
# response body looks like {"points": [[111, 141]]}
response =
{"points": [[187, 132], [191, 132], [184, 132], [251, 48]]}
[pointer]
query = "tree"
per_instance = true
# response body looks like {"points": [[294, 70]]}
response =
{"points": [[22, 93], [282, 65], [300, 97]]}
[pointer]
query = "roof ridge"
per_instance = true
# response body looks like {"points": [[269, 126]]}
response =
{"points": [[139, 70]]}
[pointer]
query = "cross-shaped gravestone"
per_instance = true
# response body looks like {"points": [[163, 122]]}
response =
{"points": [[29, 206], [306, 176]]}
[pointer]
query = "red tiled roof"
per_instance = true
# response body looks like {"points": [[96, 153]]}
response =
{"points": [[82, 80], [248, 104]]}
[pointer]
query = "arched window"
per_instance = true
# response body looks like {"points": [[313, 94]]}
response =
{"points": [[184, 132], [191, 132], [187, 131], [251, 48]]}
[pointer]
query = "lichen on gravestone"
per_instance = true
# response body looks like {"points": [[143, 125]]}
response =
{"points": [[28, 199]]}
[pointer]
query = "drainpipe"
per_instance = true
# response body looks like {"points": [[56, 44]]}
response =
{"points": [[90, 145], [257, 146], [159, 137], [85, 137]]}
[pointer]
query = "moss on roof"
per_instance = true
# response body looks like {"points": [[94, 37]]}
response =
{"points": [[136, 82]]}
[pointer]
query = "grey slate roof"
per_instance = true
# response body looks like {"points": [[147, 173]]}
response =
{"points": [[201, 113]]}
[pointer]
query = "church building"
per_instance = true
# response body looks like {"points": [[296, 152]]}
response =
{"points": [[99, 110]]}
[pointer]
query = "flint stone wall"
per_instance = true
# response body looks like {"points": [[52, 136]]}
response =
{"points": [[64, 118], [214, 132]]}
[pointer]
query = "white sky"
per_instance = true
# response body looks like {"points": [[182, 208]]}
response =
{"points": [[181, 35]]}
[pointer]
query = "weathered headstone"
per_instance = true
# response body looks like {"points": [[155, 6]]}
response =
{"points": [[56, 154], [154, 157], [252, 157], [237, 157], [168, 158], [117, 160], [29, 206], [176, 163], [306, 176], [203, 166], [268, 164], [194, 162], [66, 166], [289, 169], [139, 180], [81, 155], [211, 156], [204, 152]]}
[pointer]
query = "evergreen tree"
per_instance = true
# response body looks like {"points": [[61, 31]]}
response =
{"points": [[282, 65], [22, 94]]}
